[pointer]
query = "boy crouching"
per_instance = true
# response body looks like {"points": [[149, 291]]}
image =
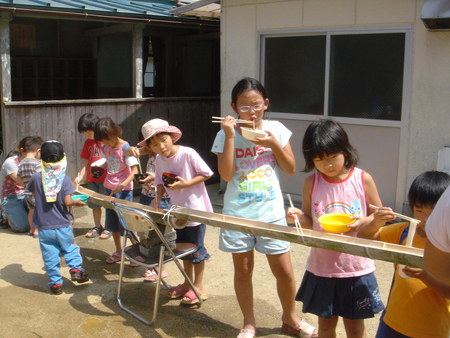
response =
{"points": [[52, 189]]}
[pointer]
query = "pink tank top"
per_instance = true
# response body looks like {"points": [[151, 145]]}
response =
{"points": [[346, 196]]}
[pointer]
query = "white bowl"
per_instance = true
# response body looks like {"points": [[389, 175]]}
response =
{"points": [[99, 163], [251, 134]]}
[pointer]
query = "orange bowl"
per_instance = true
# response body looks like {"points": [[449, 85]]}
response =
{"points": [[336, 223]]}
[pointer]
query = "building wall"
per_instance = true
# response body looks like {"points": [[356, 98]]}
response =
{"points": [[426, 129], [58, 120]]}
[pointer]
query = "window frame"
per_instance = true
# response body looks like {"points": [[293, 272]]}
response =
{"points": [[328, 32]]}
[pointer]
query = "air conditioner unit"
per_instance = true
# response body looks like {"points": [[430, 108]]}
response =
{"points": [[436, 15], [443, 162]]}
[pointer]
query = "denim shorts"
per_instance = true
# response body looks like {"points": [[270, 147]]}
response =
{"points": [[112, 222], [97, 187], [196, 235], [14, 208], [239, 242], [351, 297], [147, 200]]}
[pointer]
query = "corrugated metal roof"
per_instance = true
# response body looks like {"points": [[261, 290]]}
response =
{"points": [[139, 8]]}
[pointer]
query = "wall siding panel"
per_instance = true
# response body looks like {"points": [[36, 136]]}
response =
{"points": [[59, 120]]}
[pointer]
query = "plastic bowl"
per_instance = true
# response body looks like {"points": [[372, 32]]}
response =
{"points": [[99, 163], [139, 177], [169, 178], [97, 172], [251, 134], [336, 223], [83, 198]]}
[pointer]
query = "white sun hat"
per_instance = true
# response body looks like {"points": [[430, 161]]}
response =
{"points": [[156, 126]]}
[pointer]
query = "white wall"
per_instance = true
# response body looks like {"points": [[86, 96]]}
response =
{"points": [[427, 128], [430, 99]]}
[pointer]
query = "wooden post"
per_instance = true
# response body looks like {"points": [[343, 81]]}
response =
{"points": [[5, 56], [5, 74], [137, 68]]}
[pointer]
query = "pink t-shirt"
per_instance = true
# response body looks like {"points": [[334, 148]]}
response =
{"points": [[187, 164], [118, 166], [345, 196]]}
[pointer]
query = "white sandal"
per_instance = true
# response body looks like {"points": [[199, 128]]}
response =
{"points": [[246, 333], [302, 329]]}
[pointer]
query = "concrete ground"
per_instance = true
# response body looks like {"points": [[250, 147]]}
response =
{"points": [[27, 309]]}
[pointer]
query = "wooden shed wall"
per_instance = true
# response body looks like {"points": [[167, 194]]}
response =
{"points": [[58, 120]]}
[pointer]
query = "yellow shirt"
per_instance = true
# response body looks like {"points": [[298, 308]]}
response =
{"points": [[413, 308]]}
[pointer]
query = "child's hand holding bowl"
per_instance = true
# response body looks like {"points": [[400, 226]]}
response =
{"points": [[180, 183], [269, 141]]}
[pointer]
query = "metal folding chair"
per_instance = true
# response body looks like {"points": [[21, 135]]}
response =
{"points": [[135, 221]]}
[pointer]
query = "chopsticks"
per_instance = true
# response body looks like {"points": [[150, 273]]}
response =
{"points": [[398, 215], [297, 222], [139, 165], [217, 119]]}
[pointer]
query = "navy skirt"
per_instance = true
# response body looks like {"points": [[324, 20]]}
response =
{"points": [[352, 297]]}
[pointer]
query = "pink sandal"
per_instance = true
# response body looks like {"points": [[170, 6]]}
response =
{"points": [[114, 258], [178, 291], [152, 276], [192, 298]]}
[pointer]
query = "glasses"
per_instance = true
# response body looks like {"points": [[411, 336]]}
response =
{"points": [[245, 109]]}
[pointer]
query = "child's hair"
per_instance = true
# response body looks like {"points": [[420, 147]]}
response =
{"points": [[105, 128], [12, 153], [30, 143], [148, 141], [326, 137], [427, 188], [247, 83], [87, 122]]}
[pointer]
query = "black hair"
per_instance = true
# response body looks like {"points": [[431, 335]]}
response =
{"points": [[247, 83], [327, 137], [149, 140], [30, 143], [12, 153], [87, 122], [427, 188], [105, 128]]}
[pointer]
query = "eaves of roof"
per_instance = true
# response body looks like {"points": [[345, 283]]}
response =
{"points": [[121, 10]]}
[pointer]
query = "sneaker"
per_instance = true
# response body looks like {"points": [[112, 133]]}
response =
{"points": [[78, 276], [56, 289]]}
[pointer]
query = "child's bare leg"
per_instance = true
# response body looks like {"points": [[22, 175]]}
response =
{"points": [[195, 273], [33, 230], [281, 267], [117, 241], [243, 286], [97, 215], [189, 269], [355, 328], [327, 327]]}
